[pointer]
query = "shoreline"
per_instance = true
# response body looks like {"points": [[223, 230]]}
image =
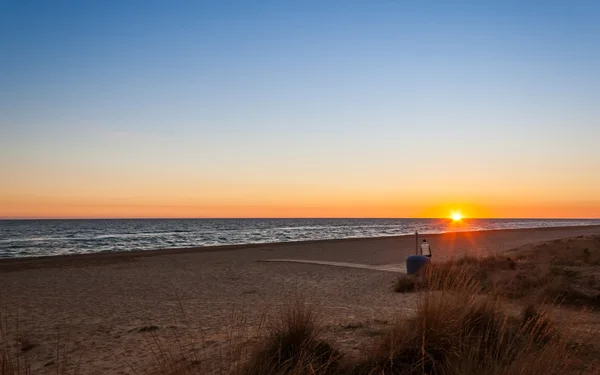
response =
{"points": [[5, 263], [291, 218]]}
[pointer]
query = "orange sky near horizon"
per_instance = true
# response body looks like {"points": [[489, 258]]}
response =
{"points": [[130, 189], [48, 209]]}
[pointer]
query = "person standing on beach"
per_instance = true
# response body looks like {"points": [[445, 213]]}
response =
{"points": [[425, 249]]}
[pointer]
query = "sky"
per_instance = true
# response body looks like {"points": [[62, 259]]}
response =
{"points": [[324, 108]]}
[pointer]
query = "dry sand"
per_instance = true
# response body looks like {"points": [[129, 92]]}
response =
{"points": [[103, 302]]}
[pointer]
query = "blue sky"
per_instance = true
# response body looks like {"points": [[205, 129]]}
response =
{"points": [[359, 97]]}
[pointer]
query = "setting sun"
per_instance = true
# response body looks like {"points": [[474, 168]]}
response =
{"points": [[456, 216]]}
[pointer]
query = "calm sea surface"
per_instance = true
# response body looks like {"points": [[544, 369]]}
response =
{"points": [[22, 238]]}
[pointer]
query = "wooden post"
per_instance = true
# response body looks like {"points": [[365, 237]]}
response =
{"points": [[417, 242]]}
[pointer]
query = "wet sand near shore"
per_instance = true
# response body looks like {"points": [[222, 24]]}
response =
{"points": [[106, 303]]}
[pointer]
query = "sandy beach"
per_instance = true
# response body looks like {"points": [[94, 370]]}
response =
{"points": [[107, 306]]}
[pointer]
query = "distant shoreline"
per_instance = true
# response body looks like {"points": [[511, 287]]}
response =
{"points": [[123, 255], [298, 218]]}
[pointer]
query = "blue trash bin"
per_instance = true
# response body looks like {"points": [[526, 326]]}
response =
{"points": [[415, 262]]}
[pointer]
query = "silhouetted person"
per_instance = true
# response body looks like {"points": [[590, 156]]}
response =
{"points": [[425, 249]]}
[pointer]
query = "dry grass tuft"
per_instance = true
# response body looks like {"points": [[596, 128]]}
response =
{"points": [[536, 323], [455, 331], [292, 346]]}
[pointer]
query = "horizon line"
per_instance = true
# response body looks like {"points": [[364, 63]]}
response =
{"points": [[292, 218]]}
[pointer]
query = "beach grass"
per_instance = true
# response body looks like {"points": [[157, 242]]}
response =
{"points": [[456, 330], [565, 273], [14, 353], [292, 345]]}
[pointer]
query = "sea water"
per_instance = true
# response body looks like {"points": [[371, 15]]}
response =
{"points": [[22, 238]]}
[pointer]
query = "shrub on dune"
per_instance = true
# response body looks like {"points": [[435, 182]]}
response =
{"points": [[292, 346], [458, 332]]}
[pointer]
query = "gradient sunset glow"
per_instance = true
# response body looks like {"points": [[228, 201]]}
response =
{"points": [[311, 109]]}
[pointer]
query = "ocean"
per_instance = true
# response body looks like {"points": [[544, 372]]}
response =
{"points": [[26, 238]]}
